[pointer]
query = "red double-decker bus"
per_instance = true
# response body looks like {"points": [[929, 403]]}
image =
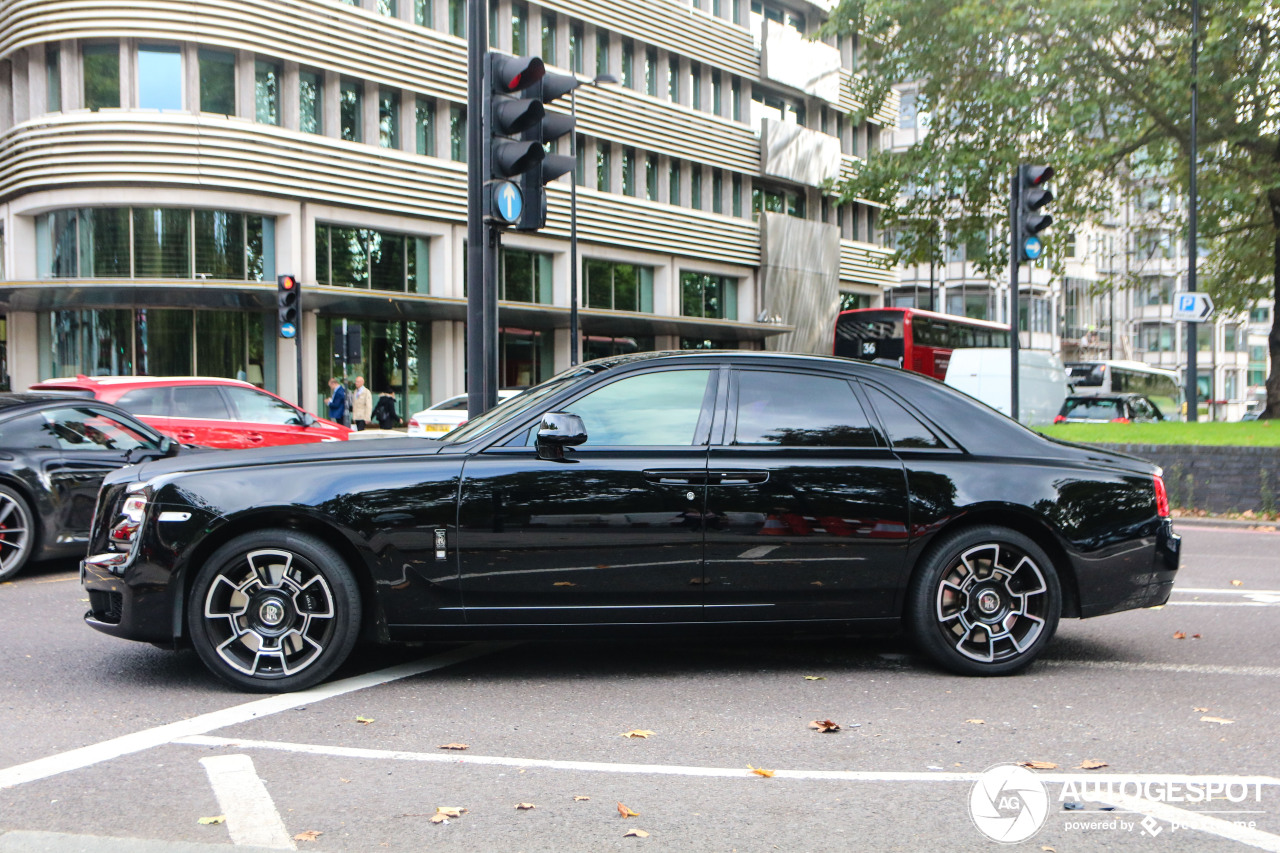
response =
{"points": [[917, 340]]}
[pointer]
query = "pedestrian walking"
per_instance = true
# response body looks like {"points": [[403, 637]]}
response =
{"points": [[338, 403], [385, 410], [361, 405]]}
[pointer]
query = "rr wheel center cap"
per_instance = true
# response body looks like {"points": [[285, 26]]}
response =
{"points": [[988, 602], [271, 612]]}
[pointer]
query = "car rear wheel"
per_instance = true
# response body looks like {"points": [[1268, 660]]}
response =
{"points": [[274, 611], [984, 601], [17, 533]]}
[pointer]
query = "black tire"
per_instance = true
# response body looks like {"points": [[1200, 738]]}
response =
{"points": [[984, 601], [17, 533], [274, 611]]}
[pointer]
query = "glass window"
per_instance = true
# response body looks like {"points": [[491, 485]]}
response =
{"points": [[717, 93], [266, 92], [673, 183], [735, 97], [604, 167], [618, 286], [351, 110], [388, 118], [736, 192], [671, 402], [388, 7], [695, 186], [580, 156], [458, 133], [905, 429], [799, 410], [458, 18], [717, 191], [162, 242], [53, 78], [602, 52], [628, 65], [423, 12], [695, 81], [520, 29], [101, 65], [163, 340], [146, 401], [651, 177], [673, 79], [259, 408], [92, 429], [425, 122], [217, 81], [549, 38], [159, 78], [28, 431], [524, 276], [628, 171], [705, 295], [386, 260], [220, 249], [198, 401], [575, 48], [310, 102], [651, 72]]}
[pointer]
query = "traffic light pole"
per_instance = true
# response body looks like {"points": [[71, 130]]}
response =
{"points": [[482, 342], [1193, 381], [1015, 250]]}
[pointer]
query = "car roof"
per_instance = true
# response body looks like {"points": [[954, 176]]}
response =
{"points": [[82, 381], [15, 402]]}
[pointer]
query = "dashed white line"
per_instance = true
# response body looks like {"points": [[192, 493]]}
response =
{"points": [[252, 819], [1183, 818], [758, 551], [75, 759], [1186, 668]]}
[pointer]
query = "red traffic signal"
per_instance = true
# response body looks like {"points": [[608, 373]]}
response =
{"points": [[514, 73]]}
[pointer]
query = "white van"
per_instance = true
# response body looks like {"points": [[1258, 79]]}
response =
{"points": [[983, 373]]}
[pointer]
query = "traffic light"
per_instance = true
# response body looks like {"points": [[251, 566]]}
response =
{"points": [[553, 126], [288, 309], [1033, 194], [508, 115]]}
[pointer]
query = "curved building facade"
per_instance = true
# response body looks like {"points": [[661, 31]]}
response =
{"points": [[161, 163]]}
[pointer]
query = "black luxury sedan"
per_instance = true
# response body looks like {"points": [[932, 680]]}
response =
{"points": [[659, 491], [54, 452]]}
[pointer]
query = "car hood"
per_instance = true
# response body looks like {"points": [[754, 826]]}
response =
{"points": [[326, 451]]}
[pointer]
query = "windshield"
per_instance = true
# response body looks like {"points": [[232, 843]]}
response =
{"points": [[515, 406]]}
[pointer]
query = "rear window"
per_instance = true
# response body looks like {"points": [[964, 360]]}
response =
{"points": [[1092, 408], [146, 401], [199, 401], [28, 431], [797, 410]]}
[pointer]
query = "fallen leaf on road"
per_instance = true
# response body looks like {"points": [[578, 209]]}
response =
{"points": [[309, 835], [439, 818], [1092, 764], [1195, 636], [1038, 765], [815, 583], [644, 733], [212, 821], [977, 722], [1179, 635], [824, 726], [454, 746], [340, 779], [1201, 710], [564, 583], [1218, 720], [580, 798], [626, 812], [524, 807], [1237, 583], [636, 833], [449, 811], [760, 771], [364, 720], [1047, 849], [815, 678]]}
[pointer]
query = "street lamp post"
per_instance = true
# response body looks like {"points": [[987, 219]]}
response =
{"points": [[573, 215]]}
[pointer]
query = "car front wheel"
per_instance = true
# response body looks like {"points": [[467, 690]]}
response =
{"points": [[274, 611], [984, 601], [17, 533]]}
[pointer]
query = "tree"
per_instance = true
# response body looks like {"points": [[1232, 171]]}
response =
{"points": [[1100, 89]]}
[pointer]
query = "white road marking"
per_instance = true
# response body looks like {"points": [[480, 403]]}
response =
{"points": [[75, 759], [683, 770], [1223, 603], [759, 551], [1191, 668], [1191, 820], [1236, 591], [251, 815]]}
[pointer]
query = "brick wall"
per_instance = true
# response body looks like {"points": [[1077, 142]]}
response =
{"points": [[1217, 479]]}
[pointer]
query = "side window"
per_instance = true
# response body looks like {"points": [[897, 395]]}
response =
{"points": [[799, 409], [653, 409], [259, 408], [89, 429], [146, 401], [905, 429], [28, 431], [198, 401]]}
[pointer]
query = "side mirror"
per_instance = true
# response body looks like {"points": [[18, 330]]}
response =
{"points": [[168, 447], [307, 419], [557, 431]]}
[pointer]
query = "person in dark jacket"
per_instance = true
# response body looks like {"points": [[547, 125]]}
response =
{"points": [[337, 402], [384, 411]]}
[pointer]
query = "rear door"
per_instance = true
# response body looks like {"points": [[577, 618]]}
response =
{"points": [[199, 415], [806, 505]]}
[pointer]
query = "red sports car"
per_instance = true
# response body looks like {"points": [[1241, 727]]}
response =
{"points": [[224, 413]]}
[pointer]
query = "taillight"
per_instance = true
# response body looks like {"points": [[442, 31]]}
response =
{"points": [[1162, 498], [1060, 419], [1120, 420], [132, 513], [413, 422]]}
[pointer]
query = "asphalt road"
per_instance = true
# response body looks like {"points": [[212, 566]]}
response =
{"points": [[90, 758]]}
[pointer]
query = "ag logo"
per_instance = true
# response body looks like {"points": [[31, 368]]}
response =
{"points": [[1008, 803]]}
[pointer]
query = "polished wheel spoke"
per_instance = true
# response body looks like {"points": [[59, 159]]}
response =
{"points": [[7, 510]]}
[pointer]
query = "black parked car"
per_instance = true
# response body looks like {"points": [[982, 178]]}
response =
{"points": [[54, 452], [699, 490]]}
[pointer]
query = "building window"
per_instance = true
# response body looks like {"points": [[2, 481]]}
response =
{"points": [[651, 72], [310, 102], [524, 276], [850, 301], [907, 111], [651, 177], [458, 18], [695, 82], [602, 52], [604, 167], [266, 92], [580, 158], [351, 110], [155, 242], [628, 65], [369, 259], [736, 191], [628, 171], [520, 29], [717, 191], [423, 13], [389, 8], [673, 79], [1232, 340], [735, 98], [695, 186], [575, 48], [458, 133], [673, 183], [549, 37], [388, 118], [101, 65], [618, 287], [705, 295], [425, 124], [717, 93], [53, 78], [217, 81], [493, 25]]}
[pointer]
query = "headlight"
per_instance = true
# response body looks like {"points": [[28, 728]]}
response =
{"points": [[129, 522]]}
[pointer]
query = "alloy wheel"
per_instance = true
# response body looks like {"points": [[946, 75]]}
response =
{"points": [[992, 603]]}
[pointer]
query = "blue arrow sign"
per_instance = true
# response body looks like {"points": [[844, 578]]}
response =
{"points": [[1033, 248], [288, 330], [508, 201]]}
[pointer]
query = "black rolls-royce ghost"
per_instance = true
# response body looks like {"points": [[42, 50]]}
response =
{"points": [[54, 452], [706, 490]]}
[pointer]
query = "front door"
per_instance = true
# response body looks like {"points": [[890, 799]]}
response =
{"points": [[807, 508], [611, 534]]}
